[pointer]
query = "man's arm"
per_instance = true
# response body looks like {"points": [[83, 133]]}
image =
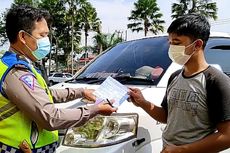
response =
{"points": [[213, 143], [158, 113]]}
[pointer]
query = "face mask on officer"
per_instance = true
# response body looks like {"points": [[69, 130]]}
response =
{"points": [[43, 47], [177, 53]]}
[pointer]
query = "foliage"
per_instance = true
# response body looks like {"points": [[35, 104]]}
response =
{"points": [[90, 21], [104, 41], [205, 7], [3, 37], [146, 16], [70, 17]]}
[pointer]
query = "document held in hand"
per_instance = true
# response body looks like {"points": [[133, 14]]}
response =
{"points": [[112, 89]]}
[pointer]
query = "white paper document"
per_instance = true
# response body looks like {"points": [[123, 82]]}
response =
{"points": [[112, 89]]}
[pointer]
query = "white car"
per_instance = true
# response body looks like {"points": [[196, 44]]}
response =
{"points": [[58, 77], [141, 63]]}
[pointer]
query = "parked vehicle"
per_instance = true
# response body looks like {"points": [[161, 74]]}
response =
{"points": [[141, 63], [84, 57], [58, 77]]}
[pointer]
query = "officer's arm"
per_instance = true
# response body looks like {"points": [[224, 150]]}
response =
{"points": [[65, 95], [22, 88]]}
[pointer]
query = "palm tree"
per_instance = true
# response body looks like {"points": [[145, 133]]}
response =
{"points": [[205, 7], [146, 16], [90, 21], [104, 41]]}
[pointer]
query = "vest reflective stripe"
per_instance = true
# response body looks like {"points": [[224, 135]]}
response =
{"points": [[15, 126], [6, 107], [9, 112]]}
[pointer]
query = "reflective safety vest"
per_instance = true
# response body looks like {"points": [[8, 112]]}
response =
{"points": [[15, 126]]}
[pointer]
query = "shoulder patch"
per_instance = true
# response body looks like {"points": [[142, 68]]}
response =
{"points": [[28, 79]]}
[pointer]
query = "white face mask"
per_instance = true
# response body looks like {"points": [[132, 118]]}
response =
{"points": [[177, 54]]}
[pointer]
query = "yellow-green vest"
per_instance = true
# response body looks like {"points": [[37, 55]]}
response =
{"points": [[15, 126]]}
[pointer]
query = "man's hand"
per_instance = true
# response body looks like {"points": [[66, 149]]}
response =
{"points": [[136, 97], [88, 94]]}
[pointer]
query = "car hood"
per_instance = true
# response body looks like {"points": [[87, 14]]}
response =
{"points": [[151, 93]]}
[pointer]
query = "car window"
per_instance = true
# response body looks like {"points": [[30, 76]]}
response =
{"points": [[132, 58], [58, 75], [68, 75], [217, 51]]}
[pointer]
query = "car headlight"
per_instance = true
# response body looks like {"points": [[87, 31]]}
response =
{"points": [[103, 131]]}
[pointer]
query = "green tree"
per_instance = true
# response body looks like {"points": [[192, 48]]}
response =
{"points": [[205, 7], [60, 32], [90, 21], [146, 16], [3, 37], [70, 17], [104, 41]]}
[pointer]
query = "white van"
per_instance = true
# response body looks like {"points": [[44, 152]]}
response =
{"points": [[141, 63]]}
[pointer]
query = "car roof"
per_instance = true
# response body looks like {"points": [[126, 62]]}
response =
{"points": [[212, 34]]}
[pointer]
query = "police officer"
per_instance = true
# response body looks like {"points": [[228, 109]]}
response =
{"points": [[27, 111]]}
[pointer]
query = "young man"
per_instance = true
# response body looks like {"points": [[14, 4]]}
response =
{"points": [[27, 111], [196, 106]]}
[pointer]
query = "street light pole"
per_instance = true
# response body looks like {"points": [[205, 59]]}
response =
{"points": [[72, 46]]}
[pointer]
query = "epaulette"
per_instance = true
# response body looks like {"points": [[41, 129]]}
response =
{"points": [[20, 66]]}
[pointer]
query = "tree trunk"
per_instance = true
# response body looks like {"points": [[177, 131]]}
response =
{"points": [[86, 35], [145, 28], [56, 55]]}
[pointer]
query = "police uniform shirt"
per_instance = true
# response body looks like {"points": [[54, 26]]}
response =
{"points": [[22, 89]]}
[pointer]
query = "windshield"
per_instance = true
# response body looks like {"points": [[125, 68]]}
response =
{"points": [[139, 60]]}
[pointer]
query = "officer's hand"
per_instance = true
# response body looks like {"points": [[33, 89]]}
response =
{"points": [[136, 96], [24, 147], [105, 108], [88, 94]]}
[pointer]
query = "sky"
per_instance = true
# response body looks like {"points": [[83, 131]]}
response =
{"points": [[114, 14]]}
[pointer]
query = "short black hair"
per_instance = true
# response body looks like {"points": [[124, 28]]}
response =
{"points": [[195, 26], [23, 17]]}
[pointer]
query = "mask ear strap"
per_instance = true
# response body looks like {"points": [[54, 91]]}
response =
{"points": [[190, 44], [29, 34]]}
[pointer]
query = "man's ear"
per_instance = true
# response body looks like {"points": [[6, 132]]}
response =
{"points": [[21, 36], [199, 44]]}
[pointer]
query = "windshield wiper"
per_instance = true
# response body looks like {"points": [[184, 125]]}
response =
{"points": [[122, 78], [88, 80], [128, 79]]}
